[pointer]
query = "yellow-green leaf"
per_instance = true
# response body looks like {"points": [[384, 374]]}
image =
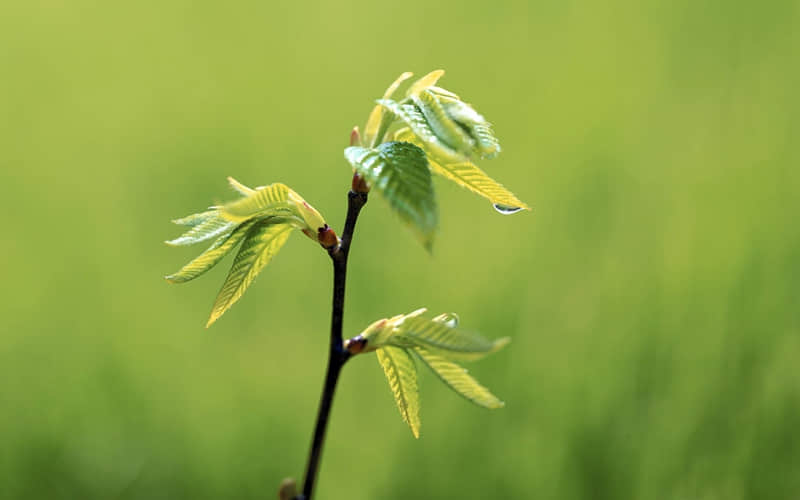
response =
{"points": [[469, 176], [398, 365], [426, 81], [211, 256], [261, 243], [203, 228], [240, 188], [376, 116], [458, 379], [440, 336], [272, 200], [399, 171]]}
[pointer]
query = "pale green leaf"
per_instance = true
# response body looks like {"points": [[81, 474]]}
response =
{"points": [[376, 117], [240, 188], [398, 365], [486, 143], [444, 127], [272, 200], [425, 82], [469, 176], [440, 336], [195, 219], [411, 115], [458, 379], [211, 256], [261, 243], [210, 227], [399, 171]]}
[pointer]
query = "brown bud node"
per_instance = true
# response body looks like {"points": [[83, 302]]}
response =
{"points": [[355, 345], [359, 185], [327, 237]]}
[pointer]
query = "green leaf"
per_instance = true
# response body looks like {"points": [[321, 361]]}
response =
{"points": [[458, 379], [469, 176], [399, 171], [438, 335], [444, 127], [272, 200], [203, 228], [195, 219], [240, 188], [486, 143], [211, 256], [398, 365], [262, 242], [411, 115]]}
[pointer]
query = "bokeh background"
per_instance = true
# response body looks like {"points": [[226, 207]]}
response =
{"points": [[652, 293]]}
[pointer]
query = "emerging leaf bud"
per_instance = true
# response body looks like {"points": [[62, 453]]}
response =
{"points": [[288, 489], [355, 137], [359, 185], [355, 345], [327, 237]]}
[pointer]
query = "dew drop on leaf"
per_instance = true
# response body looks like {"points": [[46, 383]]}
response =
{"points": [[505, 209]]}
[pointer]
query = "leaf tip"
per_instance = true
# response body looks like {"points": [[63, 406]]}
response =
{"points": [[501, 342]]}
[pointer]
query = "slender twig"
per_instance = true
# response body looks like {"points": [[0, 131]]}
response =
{"points": [[337, 355]]}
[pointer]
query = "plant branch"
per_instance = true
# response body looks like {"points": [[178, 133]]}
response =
{"points": [[337, 355]]}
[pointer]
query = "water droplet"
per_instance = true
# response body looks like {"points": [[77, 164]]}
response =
{"points": [[448, 319], [505, 209]]}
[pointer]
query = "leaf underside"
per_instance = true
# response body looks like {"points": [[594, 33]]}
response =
{"points": [[458, 379], [398, 365], [399, 171], [261, 243]]}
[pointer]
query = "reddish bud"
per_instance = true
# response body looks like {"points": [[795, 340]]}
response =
{"points": [[355, 137], [359, 185], [355, 345], [327, 237]]}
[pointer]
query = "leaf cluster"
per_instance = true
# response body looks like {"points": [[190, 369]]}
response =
{"points": [[438, 343], [430, 131], [259, 223]]}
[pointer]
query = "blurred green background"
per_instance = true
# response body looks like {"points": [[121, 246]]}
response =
{"points": [[652, 294]]}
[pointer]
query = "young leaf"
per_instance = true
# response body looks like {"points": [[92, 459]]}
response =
{"points": [[211, 256], [425, 82], [376, 117], [458, 379], [399, 171], [272, 200], [262, 242], [398, 365], [209, 227], [438, 336], [470, 120], [240, 188], [415, 120], [195, 219], [445, 128], [469, 176]]}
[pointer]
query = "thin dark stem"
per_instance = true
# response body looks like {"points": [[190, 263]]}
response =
{"points": [[337, 355]]}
